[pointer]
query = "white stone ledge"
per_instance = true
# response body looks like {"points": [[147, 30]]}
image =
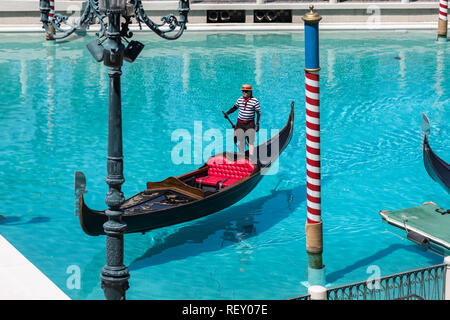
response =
{"points": [[243, 27], [317, 6], [300, 27], [33, 5], [21, 280]]}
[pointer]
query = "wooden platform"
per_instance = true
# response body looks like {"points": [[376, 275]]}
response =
{"points": [[424, 224]]}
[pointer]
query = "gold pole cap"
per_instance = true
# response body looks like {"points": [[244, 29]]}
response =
{"points": [[311, 16]]}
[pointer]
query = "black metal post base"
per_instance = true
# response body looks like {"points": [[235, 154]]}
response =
{"points": [[114, 274], [114, 288]]}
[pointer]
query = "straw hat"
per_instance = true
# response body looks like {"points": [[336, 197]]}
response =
{"points": [[246, 87]]}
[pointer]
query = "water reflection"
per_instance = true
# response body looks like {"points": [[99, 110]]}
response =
{"points": [[439, 75], [186, 71], [402, 68], [331, 59], [50, 69], [233, 225], [24, 77], [441, 116], [258, 66]]}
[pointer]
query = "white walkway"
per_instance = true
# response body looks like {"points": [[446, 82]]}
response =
{"points": [[21, 280], [243, 27]]}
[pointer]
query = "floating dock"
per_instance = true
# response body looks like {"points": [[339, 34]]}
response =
{"points": [[425, 225]]}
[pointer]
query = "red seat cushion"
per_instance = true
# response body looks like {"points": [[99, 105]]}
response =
{"points": [[221, 168]]}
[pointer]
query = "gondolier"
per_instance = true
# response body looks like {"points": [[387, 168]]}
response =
{"points": [[245, 127]]}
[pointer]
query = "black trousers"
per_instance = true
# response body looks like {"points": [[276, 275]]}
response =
{"points": [[242, 132]]}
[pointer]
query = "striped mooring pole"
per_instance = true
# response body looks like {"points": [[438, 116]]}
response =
{"points": [[313, 228], [443, 20], [52, 9], [50, 17]]}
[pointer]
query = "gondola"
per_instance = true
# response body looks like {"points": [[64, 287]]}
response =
{"points": [[219, 183], [437, 168]]}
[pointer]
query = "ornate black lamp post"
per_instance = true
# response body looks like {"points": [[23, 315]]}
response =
{"points": [[114, 275]]}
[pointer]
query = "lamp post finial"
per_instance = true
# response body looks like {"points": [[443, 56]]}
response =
{"points": [[311, 17]]}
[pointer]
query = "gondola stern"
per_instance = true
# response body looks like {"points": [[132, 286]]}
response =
{"points": [[81, 209], [425, 126], [291, 120], [436, 168], [80, 189], [266, 157], [426, 158]]}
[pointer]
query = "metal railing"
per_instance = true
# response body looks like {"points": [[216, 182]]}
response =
{"points": [[424, 284], [420, 284], [304, 297]]}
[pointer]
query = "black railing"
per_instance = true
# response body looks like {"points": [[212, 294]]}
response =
{"points": [[304, 297], [425, 284], [420, 284]]}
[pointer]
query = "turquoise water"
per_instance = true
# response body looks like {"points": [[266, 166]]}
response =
{"points": [[374, 87]]}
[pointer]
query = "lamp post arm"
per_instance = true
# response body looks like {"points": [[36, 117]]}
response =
{"points": [[88, 15], [170, 20]]}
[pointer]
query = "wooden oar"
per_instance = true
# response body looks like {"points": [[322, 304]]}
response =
{"points": [[226, 116], [231, 122]]}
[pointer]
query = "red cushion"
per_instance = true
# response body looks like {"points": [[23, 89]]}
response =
{"points": [[221, 168]]}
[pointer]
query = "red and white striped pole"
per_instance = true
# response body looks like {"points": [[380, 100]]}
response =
{"points": [[52, 9], [313, 228], [443, 20], [312, 97], [50, 16]]}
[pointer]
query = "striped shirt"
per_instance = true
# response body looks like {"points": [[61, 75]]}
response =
{"points": [[247, 108]]}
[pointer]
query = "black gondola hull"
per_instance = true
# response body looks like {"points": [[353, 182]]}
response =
{"points": [[92, 221], [437, 168]]}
